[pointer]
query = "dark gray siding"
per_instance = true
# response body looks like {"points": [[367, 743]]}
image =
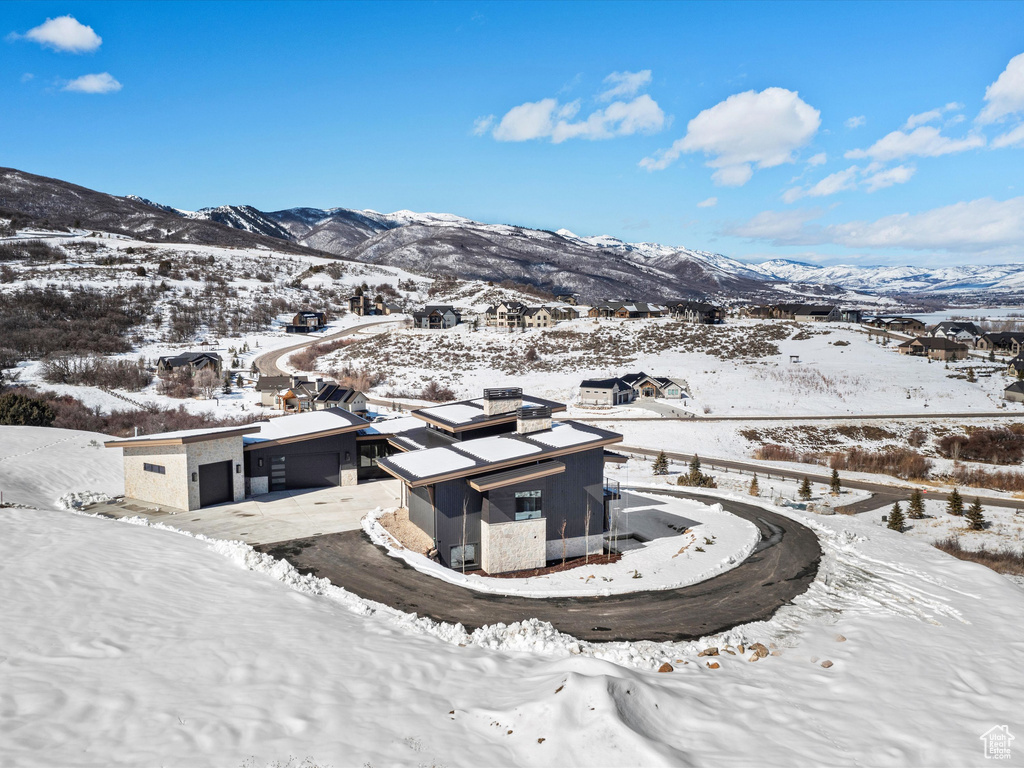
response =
{"points": [[449, 498], [421, 511], [344, 445]]}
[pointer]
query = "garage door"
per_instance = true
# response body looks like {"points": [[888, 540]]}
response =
{"points": [[312, 470], [215, 483]]}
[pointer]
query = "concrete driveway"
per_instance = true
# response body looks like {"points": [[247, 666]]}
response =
{"points": [[273, 517]]}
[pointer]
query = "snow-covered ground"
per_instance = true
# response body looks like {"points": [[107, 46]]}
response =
{"points": [[131, 645], [1004, 530], [680, 543]]}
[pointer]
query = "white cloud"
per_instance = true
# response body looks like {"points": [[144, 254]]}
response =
{"points": [[711, 202], [482, 125], [98, 83], [625, 84], [856, 122], [65, 33], [974, 227], [27, 77], [1014, 138], [830, 185], [549, 119], [926, 141], [923, 118], [819, 159], [1005, 96], [899, 175], [746, 130]]}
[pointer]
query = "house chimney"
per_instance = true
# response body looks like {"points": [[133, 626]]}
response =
{"points": [[533, 419], [501, 401], [319, 384]]}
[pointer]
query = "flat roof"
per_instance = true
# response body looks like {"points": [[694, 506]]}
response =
{"points": [[469, 414], [183, 436], [428, 465], [304, 426]]}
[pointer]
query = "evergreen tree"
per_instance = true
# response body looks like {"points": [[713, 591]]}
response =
{"points": [[660, 464], [991, 355], [755, 489], [915, 509], [22, 411], [805, 489], [955, 505], [896, 520], [975, 516], [970, 375], [695, 470], [835, 485]]}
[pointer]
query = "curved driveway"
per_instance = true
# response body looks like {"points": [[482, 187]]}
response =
{"points": [[268, 363], [782, 567]]}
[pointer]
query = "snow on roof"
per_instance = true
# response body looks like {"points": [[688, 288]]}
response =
{"points": [[392, 426], [431, 461], [499, 448], [300, 424], [456, 413], [184, 433], [563, 436]]}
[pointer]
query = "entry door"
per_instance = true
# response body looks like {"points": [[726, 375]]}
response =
{"points": [[278, 476], [215, 486]]}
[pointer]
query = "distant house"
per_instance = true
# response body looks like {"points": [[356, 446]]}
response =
{"points": [[513, 314], [537, 317], [850, 315], [811, 313], [507, 314], [897, 324], [361, 304], [1015, 392], [965, 333], [195, 361], [269, 386], [437, 316], [627, 310], [1015, 367], [934, 348], [630, 387], [306, 322], [699, 312], [566, 298], [1000, 343]]}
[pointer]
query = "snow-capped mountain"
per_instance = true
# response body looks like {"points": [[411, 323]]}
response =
{"points": [[896, 279]]}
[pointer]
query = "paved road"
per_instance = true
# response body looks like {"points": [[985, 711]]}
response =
{"points": [[885, 493], [268, 364], [753, 591]]}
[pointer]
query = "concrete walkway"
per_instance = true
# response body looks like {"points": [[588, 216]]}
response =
{"points": [[273, 517], [781, 568]]}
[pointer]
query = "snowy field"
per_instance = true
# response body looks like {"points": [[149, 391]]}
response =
{"points": [[131, 645], [683, 543]]}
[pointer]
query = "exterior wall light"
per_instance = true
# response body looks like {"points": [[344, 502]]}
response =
{"points": [[195, 476]]}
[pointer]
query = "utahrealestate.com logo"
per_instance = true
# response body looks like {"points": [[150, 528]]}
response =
{"points": [[997, 742]]}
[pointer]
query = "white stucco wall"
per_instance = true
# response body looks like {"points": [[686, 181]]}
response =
{"points": [[513, 546]]}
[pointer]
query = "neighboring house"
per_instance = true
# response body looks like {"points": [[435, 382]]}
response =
{"points": [[935, 348], [361, 304], [1000, 343], [269, 386], [507, 314], [306, 322], [1015, 392], [513, 314], [537, 317], [850, 315], [699, 312], [567, 298], [195, 361], [817, 314], [630, 387], [897, 324], [200, 467], [499, 486], [437, 316], [329, 395], [965, 333], [631, 310], [1015, 367], [606, 392]]}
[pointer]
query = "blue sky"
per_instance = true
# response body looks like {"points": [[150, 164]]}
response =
{"points": [[834, 132]]}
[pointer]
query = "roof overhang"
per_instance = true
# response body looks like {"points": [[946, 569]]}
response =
{"points": [[511, 477], [307, 436], [133, 442], [505, 418]]}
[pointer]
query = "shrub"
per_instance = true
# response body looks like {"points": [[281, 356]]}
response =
{"points": [[899, 462], [95, 371], [1002, 561], [437, 393], [305, 359], [23, 411], [994, 446], [977, 477]]}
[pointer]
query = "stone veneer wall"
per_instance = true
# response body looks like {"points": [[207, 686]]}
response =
{"points": [[168, 489], [259, 485], [209, 452], [576, 547], [514, 546], [349, 476]]}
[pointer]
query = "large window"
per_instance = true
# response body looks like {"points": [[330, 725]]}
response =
{"points": [[528, 505], [463, 556]]}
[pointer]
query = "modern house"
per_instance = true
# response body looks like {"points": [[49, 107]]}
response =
{"points": [[627, 310], [306, 322], [897, 324], [810, 313], [965, 333], [700, 312], [501, 487], [199, 467], [936, 348], [630, 387], [437, 316], [361, 304], [294, 394], [194, 361]]}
